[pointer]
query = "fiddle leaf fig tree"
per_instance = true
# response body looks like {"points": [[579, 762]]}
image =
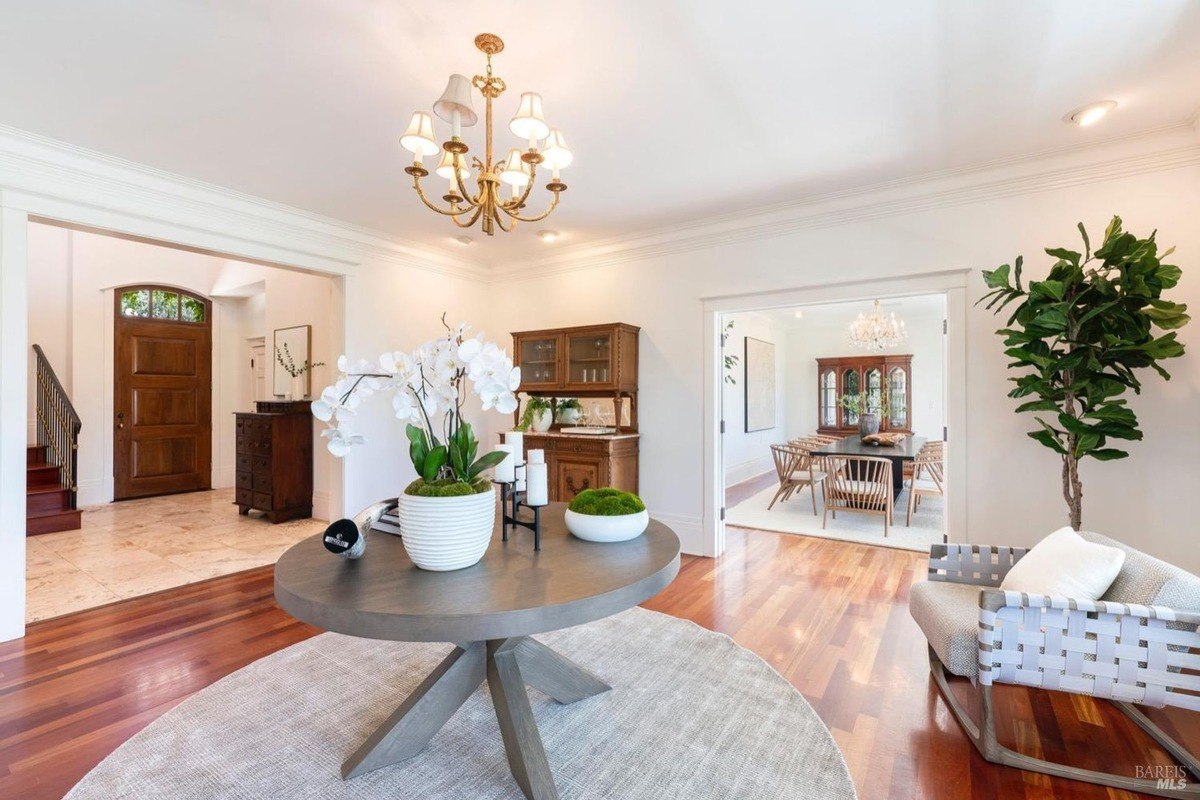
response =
{"points": [[1078, 339]]}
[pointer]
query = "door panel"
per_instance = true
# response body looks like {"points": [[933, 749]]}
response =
{"points": [[574, 475], [162, 403]]}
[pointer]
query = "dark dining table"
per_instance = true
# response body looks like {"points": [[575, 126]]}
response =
{"points": [[853, 445]]}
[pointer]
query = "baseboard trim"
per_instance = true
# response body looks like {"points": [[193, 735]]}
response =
{"points": [[739, 473], [320, 505], [688, 529]]}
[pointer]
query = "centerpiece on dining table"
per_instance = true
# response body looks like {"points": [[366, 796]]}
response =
{"points": [[448, 513]]}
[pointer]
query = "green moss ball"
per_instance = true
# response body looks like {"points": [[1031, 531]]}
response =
{"points": [[607, 502], [447, 488]]}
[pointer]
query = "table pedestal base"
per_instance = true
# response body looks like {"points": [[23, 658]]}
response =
{"points": [[507, 665]]}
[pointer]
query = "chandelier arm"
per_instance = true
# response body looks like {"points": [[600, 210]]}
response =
{"points": [[462, 189], [474, 218], [500, 220], [516, 202], [539, 217], [425, 200]]}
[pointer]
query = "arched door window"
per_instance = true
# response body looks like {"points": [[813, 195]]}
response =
{"points": [[163, 303], [828, 398]]}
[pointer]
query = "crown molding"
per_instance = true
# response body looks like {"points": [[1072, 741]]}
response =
{"points": [[46, 175], [1165, 148]]}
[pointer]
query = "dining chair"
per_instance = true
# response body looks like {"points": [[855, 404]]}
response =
{"points": [[858, 483], [795, 469], [928, 479]]}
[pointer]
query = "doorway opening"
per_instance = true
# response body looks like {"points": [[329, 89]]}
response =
{"points": [[835, 420], [157, 350]]}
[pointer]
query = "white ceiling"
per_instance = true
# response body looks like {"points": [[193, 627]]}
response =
{"points": [[841, 314], [674, 109]]}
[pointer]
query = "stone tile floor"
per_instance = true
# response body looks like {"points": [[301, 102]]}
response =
{"points": [[140, 546]]}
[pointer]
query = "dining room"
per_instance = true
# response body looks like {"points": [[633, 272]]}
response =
{"points": [[835, 420]]}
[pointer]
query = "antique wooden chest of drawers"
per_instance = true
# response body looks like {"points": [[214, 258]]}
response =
{"points": [[274, 460], [578, 462]]}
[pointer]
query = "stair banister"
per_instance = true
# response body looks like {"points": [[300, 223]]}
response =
{"points": [[58, 424]]}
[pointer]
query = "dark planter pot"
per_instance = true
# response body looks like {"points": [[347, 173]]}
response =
{"points": [[868, 423]]}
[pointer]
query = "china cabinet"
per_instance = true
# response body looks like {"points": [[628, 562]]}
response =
{"points": [[879, 376]]}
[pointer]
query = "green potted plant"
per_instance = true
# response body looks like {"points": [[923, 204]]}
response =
{"points": [[538, 415], [448, 513], [569, 411], [297, 372], [1077, 338], [869, 417], [607, 515]]}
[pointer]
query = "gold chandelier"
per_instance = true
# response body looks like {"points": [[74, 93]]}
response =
{"points": [[517, 170], [877, 332]]}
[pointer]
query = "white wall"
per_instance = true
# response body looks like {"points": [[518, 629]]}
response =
{"points": [[1012, 482], [820, 336], [72, 277], [749, 453]]}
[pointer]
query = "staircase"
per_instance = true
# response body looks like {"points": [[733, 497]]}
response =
{"points": [[47, 502], [52, 465]]}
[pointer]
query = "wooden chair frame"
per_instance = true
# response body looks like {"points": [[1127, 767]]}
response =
{"points": [[927, 463], [858, 483], [1041, 641], [791, 464]]}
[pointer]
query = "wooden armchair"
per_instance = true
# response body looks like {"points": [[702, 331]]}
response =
{"points": [[858, 483], [1138, 644], [795, 469]]}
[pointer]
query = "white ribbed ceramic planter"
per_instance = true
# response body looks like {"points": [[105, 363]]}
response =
{"points": [[595, 528], [445, 533]]}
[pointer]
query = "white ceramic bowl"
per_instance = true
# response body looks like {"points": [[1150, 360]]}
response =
{"points": [[446, 533], [595, 528]]}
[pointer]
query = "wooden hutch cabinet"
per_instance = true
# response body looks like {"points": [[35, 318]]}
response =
{"points": [[591, 361], [878, 376], [274, 460]]}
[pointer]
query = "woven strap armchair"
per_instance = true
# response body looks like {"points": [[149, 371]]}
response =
{"points": [[1139, 644]]}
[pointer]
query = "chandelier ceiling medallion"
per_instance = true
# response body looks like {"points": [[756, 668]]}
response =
{"points": [[877, 332], [517, 170]]}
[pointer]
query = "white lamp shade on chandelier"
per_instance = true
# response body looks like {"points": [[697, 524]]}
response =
{"points": [[477, 178], [516, 171], [555, 153], [454, 106], [418, 139], [529, 123], [877, 331], [445, 167]]}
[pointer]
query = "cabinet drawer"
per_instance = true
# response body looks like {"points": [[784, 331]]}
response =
{"points": [[262, 482], [242, 462], [262, 501], [244, 480], [582, 446], [261, 464], [243, 497]]}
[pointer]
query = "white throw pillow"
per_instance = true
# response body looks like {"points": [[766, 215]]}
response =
{"points": [[1066, 564]]}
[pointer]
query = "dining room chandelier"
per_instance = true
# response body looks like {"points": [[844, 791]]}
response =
{"points": [[517, 170], [877, 332]]}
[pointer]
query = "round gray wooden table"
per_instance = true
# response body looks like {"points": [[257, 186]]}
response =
{"points": [[489, 611]]}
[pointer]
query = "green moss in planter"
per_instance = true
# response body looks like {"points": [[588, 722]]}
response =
{"points": [[607, 503], [447, 488]]}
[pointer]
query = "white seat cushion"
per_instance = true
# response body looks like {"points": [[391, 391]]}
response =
{"points": [[858, 487], [1065, 564], [922, 485], [806, 475]]}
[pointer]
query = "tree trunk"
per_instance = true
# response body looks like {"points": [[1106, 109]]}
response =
{"points": [[1072, 489]]}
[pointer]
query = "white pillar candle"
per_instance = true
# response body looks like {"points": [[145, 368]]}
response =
{"points": [[516, 440], [538, 493], [537, 456], [521, 483], [506, 469]]}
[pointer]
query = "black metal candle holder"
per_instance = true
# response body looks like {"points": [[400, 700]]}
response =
{"points": [[511, 503]]}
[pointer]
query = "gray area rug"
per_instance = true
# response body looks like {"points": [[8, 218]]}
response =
{"points": [[691, 715]]}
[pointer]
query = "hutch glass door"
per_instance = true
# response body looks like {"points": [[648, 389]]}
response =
{"points": [[589, 359], [539, 361]]}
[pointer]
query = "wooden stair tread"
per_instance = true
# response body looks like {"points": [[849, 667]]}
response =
{"points": [[58, 487], [51, 512]]}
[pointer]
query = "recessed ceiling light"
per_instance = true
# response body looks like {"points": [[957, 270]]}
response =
{"points": [[548, 236], [799, 314], [1090, 114], [465, 241]]}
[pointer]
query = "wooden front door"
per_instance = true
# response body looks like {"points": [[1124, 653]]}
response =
{"points": [[162, 405]]}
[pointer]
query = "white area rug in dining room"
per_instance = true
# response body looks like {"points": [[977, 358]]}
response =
{"points": [[796, 516]]}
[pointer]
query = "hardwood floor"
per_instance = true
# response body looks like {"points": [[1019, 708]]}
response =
{"points": [[831, 617]]}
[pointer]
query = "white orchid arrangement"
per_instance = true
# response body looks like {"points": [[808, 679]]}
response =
{"points": [[429, 386]]}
